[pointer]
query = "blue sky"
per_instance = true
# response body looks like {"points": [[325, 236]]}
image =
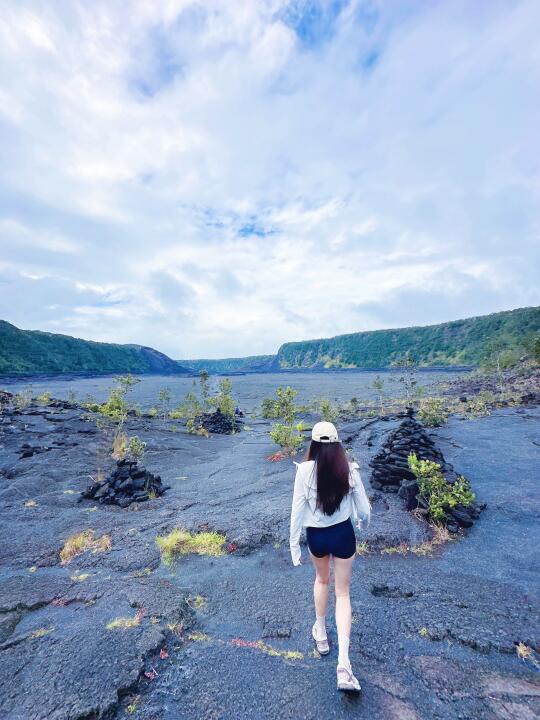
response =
{"points": [[215, 178]]}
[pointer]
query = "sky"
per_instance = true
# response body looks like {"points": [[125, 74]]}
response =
{"points": [[216, 178]]}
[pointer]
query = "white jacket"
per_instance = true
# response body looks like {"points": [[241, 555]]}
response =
{"points": [[304, 512]]}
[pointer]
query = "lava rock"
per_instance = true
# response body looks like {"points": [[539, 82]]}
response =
{"points": [[460, 514], [408, 491], [127, 484], [219, 423]]}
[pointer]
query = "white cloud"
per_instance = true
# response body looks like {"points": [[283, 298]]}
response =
{"points": [[199, 176]]}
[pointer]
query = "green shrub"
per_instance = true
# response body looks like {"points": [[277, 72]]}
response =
{"points": [[282, 407], [480, 405], [436, 491], [327, 409], [116, 406], [432, 412], [224, 399], [289, 437], [44, 398], [378, 386], [164, 399], [135, 448]]}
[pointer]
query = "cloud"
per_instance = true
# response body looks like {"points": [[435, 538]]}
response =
{"points": [[200, 176]]}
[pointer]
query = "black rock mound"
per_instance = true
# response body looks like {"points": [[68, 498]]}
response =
{"points": [[391, 472], [219, 423], [128, 483]]}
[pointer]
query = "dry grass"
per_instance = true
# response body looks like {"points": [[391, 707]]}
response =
{"points": [[123, 623], [198, 636], [80, 542], [177, 628], [197, 602], [80, 577], [440, 536], [268, 649], [30, 503], [362, 548], [524, 651], [182, 542], [119, 446], [424, 632], [40, 632], [401, 549]]}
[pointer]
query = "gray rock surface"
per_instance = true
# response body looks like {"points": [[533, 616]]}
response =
{"points": [[433, 636]]}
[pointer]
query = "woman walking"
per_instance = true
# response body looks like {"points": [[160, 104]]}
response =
{"points": [[327, 491]]}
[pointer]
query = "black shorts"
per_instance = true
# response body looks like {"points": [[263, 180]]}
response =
{"points": [[337, 540]]}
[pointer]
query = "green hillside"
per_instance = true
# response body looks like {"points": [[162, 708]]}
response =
{"points": [[461, 342], [29, 352], [251, 363]]}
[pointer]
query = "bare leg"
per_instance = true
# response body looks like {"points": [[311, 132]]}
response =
{"points": [[320, 592], [342, 574]]}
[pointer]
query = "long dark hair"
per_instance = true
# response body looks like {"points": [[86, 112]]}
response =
{"points": [[333, 470]]}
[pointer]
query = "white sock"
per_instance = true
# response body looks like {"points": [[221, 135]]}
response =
{"points": [[320, 626], [343, 656]]}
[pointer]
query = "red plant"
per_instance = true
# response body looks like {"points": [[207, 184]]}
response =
{"points": [[151, 674], [231, 547], [163, 653], [279, 455], [139, 614], [239, 642], [59, 602]]}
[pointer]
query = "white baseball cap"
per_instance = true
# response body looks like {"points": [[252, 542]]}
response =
{"points": [[324, 432]]}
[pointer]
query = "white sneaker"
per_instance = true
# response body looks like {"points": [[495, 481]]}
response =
{"points": [[323, 648], [346, 680]]}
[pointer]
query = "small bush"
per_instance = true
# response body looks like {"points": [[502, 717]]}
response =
{"points": [[135, 448], [436, 491], [327, 409], [479, 405], [224, 399], [182, 542], [44, 398], [282, 407], [432, 412]]}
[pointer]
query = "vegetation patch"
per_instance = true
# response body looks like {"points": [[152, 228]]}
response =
{"points": [[40, 632], [80, 542], [182, 542], [124, 623], [268, 649], [432, 412], [197, 603], [80, 577], [438, 494]]}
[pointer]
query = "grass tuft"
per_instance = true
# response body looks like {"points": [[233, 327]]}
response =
{"points": [[79, 542], [182, 542], [123, 623], [267, 649], [80, 577], [197, 602], [40, 632], [362, 548]]}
